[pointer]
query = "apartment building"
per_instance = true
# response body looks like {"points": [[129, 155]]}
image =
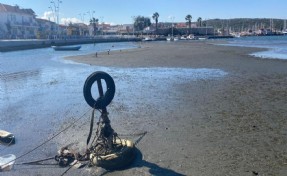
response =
{"points": [[16, 22]]}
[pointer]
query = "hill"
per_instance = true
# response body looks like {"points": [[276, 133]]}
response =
{"points": [[246, 24]]}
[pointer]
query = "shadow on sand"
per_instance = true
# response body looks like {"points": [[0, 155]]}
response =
{"points": [[154, 169]]}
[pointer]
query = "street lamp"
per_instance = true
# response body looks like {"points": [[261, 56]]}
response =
{"points": [[93, 12], [134, 19], [57, 8], [53, 12], [172, 20], [57, 11], [89, 12], [84, 18], [206, 27]]}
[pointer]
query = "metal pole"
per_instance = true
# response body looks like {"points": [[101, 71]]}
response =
{"points": [[133, 17], [57, 12]]}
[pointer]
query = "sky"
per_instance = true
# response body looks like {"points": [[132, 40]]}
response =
{"points": [[123, 11]]}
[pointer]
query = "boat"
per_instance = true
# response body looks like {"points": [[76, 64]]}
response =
{"points": [[183, 38], [6, 138], [148, 39], [190, 37], [172, 38], [169, 39], [202, 38], [236, 35], [7, 162], [66, 48]]}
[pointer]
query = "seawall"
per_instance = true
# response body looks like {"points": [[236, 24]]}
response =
{"points": [[13, 45]]}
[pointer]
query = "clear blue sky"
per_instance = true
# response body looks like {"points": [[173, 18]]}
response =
{"points": [[121, 11]]}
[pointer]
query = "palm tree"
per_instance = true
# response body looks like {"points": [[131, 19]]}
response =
{"points": [[155, 17], [94, 22], [199, 21], [188, 19]]}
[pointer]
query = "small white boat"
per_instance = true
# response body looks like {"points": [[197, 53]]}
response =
{"points": [[183, 38], [172, 39], [148, 39], [169, 39], [6, 138], [202, 38], [190, 37], [66, 48], [7, 162]]}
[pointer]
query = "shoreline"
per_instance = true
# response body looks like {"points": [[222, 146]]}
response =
{"points": [[153, 52]]}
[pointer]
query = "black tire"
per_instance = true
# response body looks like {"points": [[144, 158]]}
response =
{"points": [[101, 102]]}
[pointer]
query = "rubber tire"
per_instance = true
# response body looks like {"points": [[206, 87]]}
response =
{"points": [[103, 102]]}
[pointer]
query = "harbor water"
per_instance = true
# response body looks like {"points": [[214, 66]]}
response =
{"points": [[276, 45]]}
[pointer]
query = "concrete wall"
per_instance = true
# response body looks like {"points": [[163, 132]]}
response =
{"points": [[12, 45]]}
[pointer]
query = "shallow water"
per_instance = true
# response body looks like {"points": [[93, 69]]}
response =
{"points": [[39, 90], [276, 45]]}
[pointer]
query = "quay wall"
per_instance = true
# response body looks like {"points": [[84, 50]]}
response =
{"points": [[13, 45]]}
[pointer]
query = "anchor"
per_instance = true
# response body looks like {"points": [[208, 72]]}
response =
{"points": [[107, 149]]}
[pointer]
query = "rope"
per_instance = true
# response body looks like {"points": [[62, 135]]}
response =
{"points": [[69, 168], [45, 142], [37, 162], [91, 126], [134, 134], [142, 134], [140, 138]]}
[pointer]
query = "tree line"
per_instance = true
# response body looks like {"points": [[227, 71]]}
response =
{"points": [[236, 24], [141, 22]]}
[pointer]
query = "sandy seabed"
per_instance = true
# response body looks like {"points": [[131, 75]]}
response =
{"points": [[231, 125]]}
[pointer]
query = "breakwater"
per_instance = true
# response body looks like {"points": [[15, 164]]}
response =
{"points": [[13, 45]]}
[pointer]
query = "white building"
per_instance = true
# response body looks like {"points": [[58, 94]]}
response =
{"points": [[16, 22]]}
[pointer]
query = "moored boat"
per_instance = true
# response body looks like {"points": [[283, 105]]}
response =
{"points": [[169, 38], [148, 39], [66, 48], [6, 138], [172, 38]]}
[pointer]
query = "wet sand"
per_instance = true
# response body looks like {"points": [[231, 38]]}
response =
{"points": [[234, 125], [230, 125]]}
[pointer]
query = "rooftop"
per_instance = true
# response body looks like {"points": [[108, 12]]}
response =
{"points": [[15, 9]]}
